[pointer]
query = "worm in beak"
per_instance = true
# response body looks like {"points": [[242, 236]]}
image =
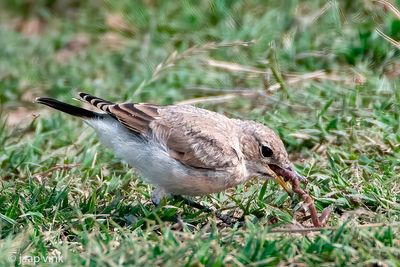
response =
{"points": [[282, 175]]}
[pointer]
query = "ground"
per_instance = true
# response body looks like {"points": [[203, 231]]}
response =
{"points": [[322, 74]]}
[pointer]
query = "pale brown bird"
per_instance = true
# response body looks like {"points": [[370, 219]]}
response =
{"points": [[184, 150]]}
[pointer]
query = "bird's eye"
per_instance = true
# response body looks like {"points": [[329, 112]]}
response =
{"points": [[266, 152]]}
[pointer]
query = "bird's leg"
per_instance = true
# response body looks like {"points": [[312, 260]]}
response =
{"points": [[158, 195], [192, 203], [223, 217]]}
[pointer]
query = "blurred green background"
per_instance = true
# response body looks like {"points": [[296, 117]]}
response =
{"points": [[323, 74]]}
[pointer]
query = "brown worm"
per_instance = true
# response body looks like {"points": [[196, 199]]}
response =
{"points": [[291, 177]]}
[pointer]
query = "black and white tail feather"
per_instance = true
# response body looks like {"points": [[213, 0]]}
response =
{"points": [[67, 108], [77, 111], [134, 116]]}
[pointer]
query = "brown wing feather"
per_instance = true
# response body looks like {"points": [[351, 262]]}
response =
{"points": [[135, 117], [198, 138], [96, 101]]}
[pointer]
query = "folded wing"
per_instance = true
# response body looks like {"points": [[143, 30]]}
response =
{"points": [[195, 137]]}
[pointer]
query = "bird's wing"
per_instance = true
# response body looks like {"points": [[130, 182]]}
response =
{"points": [[195, 137], [135, 117]]}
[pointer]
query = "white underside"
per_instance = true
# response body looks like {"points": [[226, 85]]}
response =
{"points": [[152, 160]]}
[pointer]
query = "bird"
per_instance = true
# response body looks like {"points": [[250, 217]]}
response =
{"points": [[183, 150]]}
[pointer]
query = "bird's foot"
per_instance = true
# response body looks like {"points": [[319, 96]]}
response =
{"points": [[229, 220], [160, 194]]}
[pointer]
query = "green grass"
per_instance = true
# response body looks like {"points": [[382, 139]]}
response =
{"points": [[62, 192]]}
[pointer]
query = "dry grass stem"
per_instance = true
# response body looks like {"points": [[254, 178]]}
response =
{"points": [[319, 229], [175, 57], [389, 6], [230, 66], [389, 39]]}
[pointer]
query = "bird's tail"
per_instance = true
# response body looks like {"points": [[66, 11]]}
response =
{"points": [[67, 108]]}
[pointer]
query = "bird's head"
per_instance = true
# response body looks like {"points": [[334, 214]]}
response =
{"points": [[264, 153]]}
